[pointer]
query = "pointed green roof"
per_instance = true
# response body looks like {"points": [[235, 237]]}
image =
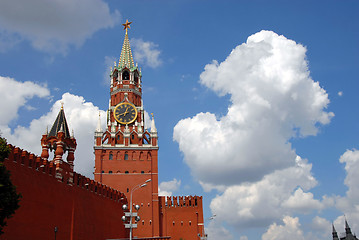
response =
{"points": [[60, 124], [126, 59]]}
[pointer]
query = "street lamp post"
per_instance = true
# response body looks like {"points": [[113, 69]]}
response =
{"points": [[55, 230], [131, 214]]}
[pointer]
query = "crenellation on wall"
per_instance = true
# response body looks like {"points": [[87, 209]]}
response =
{"points": [[67, 176], [181, 201]]}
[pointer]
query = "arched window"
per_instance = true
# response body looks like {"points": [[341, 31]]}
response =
{"points": [[102, 171], [125, 75], [126, 172], [142, 172], [110, 157], [136, 77], [110, 172], [134, 155], [115, 74], [126, 156]]}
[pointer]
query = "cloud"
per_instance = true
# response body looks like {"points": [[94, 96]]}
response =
{"points": [[290, 230], [273, 99], [216, 231], [166, 188], [11, 102], [340, 93], [322, 227], [349, 204], [146, 53], [246, 154], [259, 204], [302, 202], [53, 26], [81, 116]]}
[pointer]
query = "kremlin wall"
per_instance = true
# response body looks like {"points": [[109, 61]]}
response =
{"points": [[82, 209]]}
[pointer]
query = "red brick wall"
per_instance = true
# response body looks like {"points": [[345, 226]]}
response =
{"points": [[86, 210], [181, 217]]}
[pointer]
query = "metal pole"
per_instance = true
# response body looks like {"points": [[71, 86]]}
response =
{"points": [[131, 213], [132, 190], [55, 230]]}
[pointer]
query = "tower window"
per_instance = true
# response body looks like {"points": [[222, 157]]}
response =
{"points": [[102, 171], [109, 172], [136, 77], [128, 190], [126, 156], [142, 172], [126, 172], [110, 157], [125, 75]]}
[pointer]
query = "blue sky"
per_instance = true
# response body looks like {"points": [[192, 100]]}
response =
{"points": [[267, 134]]}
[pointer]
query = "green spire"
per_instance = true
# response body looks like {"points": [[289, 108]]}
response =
{"points": [[126, 59]]}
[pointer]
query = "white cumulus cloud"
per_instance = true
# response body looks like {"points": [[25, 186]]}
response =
{"points": [[216, 231], [290, 230], [146, 52], [349, 204], [259, 204], [246, 154], [15, 94], [303, 202], [167, 188], [273, 99], [53, 26]]}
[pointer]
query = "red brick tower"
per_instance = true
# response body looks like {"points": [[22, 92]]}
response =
{"points": [[126, 153]]}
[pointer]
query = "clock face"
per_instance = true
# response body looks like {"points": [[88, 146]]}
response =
{"points": [[125, 113]]}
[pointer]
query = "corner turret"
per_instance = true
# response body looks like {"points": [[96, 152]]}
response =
{"points": [[60, 141]]}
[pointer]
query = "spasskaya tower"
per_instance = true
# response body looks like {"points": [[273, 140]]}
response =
{"points": [[126, 152]]}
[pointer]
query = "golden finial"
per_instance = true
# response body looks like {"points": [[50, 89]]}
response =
{"points": [[126, 25], [62, 105], [152, 114]]}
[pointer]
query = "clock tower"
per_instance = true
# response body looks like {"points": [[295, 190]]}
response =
{"points": [[126, 152]]}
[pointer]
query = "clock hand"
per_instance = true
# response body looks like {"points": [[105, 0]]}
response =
{"points": [[126, 111]]}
